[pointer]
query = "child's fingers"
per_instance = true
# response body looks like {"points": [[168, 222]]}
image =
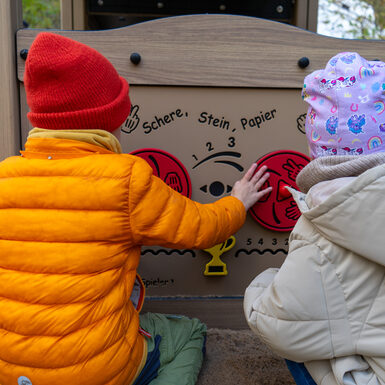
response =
{"points": [[249, 173], [258, 182], [264, 192], [257, 176]]}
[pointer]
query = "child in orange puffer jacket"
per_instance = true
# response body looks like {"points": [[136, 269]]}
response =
{"points": [[74, 212]]}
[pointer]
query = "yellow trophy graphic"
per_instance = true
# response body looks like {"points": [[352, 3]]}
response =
{"points": [[216, 266]]}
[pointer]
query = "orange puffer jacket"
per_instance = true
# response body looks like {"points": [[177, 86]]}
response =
{"points": [[72, 219]]}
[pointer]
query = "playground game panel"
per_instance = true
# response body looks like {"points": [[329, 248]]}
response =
{"points": [[200, 141]]}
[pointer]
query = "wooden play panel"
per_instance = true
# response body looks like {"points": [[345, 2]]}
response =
{"points": [[215, 93]]}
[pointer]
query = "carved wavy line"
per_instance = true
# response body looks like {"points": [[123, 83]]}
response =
{"points": [[223, 153], [260, 252], [168, 252], [236, 165]]}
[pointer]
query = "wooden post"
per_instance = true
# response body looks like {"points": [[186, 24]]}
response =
{"points": [[79, 9], [10, 21], [66, 14], [306, 14], [73, 14], [312, 16]]}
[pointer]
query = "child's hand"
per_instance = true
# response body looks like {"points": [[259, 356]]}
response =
{"points": [[246, 189]]}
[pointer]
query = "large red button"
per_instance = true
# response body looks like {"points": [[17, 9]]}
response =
{"points": [[278, 210], [168, 168]]}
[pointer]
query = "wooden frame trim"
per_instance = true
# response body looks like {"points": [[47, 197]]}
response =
{"points": [[11, 20], [66, 14]]}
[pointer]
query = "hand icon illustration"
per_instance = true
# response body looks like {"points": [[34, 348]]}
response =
{"points": [[172, 179], [301, 123], [292, 169], [132, 120], [168, 168], [292, 212]]}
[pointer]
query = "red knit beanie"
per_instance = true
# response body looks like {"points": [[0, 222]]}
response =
{"points": [[72, 86]]}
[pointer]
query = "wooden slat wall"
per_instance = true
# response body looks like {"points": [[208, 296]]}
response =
{"points": [[214, 50], [11, 19]]}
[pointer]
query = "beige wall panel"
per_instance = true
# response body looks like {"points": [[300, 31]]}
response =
{"points": [[214, 152]]}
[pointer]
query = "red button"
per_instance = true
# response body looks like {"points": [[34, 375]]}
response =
{"points": [[283, 192], [278, 210], [168, 168]]}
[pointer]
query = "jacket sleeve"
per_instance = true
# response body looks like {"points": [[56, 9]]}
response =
{"points": [[321, 372], [161, 216], [292, 310], [352, 370]]}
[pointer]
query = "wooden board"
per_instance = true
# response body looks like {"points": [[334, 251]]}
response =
{"points": [[213, 50]]}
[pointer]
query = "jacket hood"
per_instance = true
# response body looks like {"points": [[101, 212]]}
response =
{"points": [[353, 216]]}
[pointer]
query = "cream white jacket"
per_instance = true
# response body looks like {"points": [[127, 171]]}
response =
{"points": [[326, 305]]}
